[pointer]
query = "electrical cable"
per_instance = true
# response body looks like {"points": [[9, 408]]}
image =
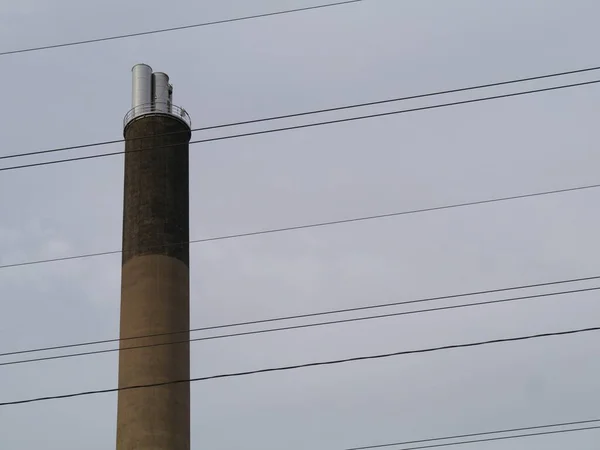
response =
{"points": [[311, 112], [498, 438], [308, 226], [179, 28], [297, 327], [483, 433], [309, 315], [303, 126], [310, 364], [314, 225]]}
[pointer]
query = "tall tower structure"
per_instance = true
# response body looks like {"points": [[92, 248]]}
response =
{"points": [[155, 270]]}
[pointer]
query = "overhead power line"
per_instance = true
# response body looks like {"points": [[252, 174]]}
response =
{"points": [[498, 438], [179, 28], [311, 112], [310, 315], [316, 225], [483, 433], [298, 327], [303, 126], [310, 364]]}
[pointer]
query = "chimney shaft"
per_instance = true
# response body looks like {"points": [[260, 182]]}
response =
{"points": [[154, 278]]}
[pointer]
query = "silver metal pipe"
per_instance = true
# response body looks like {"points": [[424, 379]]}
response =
{"points": [[142, 85], [160, 84]]}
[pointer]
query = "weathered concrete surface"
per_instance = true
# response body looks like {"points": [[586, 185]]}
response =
{"points": [[155, 288]]}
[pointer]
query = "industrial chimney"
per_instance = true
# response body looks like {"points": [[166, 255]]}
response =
{"points": [[155, 270]]}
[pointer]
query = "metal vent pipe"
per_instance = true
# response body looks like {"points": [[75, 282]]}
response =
{"points": [[142, 85], [160, 82]]}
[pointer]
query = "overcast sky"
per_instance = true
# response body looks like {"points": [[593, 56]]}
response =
{"points": [[369, 51]]}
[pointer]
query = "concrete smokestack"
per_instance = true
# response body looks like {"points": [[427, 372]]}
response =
{"points": [[155, 271]]}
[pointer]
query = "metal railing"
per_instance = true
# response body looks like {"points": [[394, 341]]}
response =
{"points": [[157, 108]]}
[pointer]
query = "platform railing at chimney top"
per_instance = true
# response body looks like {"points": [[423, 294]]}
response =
{"points": [[157, 108]]}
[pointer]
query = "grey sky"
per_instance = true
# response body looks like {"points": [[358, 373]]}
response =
{"points": [[373, 50]]}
